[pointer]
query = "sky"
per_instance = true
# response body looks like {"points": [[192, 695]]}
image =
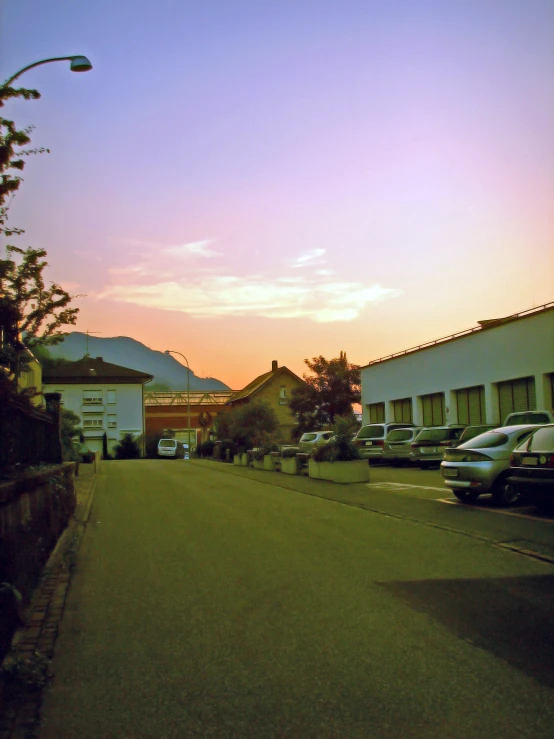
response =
{"points": [[254, 180]]}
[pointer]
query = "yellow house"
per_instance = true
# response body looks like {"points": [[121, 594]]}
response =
{"points": [[273, 388], [31, 378]]}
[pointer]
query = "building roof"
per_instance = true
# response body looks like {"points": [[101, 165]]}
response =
{"points": [[485, 325], [253, 387], [93, 370]]}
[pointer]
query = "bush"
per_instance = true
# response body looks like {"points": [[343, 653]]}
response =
{"points": [[340, 448], [227, 446], [127, 448], [205, 449], [289, 451]]}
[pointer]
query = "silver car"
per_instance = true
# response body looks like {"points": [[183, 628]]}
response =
{"points": [[398, 445], [370, 439], [429, 445], [311, 438], [482, 465]]}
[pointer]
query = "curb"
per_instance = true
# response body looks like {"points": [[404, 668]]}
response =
{"points": [[33, 644]]}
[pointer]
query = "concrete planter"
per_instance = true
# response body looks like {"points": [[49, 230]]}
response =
{"points": [[237, 459], [342, 472], [244, 459], [289, 465], [268, 462], [258, 464]]}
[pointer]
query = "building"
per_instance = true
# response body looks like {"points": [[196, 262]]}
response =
{"points": [[472, 377], [108, 399], [273, 388], [170, 411]]}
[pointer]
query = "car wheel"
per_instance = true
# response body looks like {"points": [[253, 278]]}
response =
{"points": [[505, 494], [465, 496]]}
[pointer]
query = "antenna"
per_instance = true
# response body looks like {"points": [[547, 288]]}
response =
{"points": [[87, 334]]}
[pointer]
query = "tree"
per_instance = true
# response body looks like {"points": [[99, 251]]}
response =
{"points": [[31, 314], [330, 392], [127, 448], [69, 428], [249, 425]]}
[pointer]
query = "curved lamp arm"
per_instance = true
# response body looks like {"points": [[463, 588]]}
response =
{"points": [[78, 64]]}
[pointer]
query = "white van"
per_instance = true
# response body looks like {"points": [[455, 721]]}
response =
{"points": [[169, 448]]}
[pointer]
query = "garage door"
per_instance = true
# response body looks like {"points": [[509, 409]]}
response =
{"points": [[433, 409], [376, 412], [402, 410], [471, 405], [516, 395]]}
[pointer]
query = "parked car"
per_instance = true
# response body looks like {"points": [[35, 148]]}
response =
{"points": [[370, 439], [470, 432], [311, 438], [482, 465], [398, 445], [169, 448], [429, 445], [537, 417], [532, 467]]}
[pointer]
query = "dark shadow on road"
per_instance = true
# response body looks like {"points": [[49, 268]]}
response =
{"points": [[510, 617]]}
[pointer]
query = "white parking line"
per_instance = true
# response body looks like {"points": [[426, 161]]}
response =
{"points": [[503, 511], [400, 486]]}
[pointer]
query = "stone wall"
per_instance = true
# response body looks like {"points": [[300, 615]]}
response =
{"points": [[34, 510]]}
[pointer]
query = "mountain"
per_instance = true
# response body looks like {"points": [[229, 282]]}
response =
{"points": [[169, 374]]}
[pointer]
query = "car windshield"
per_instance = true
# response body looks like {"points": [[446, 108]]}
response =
{"points": [[168, 444], [472, 432], [371, 432], [433, 435], [400, 435], [488, 440], [531, 417], [308, 437]]}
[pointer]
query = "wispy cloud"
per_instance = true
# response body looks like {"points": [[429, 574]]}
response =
{"points": [[194, 247], [309, 258]]}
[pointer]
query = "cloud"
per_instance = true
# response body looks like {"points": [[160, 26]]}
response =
{"points": [[193, 247], [309, 258], [227, 295]]}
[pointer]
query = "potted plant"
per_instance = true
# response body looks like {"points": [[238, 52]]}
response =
{"points": [[289, 460], [339, 460]]}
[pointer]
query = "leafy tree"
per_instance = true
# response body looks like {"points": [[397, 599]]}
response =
{"points": [[31, 314], [70, 426], [249, 425], [329, 392], [127, 448]]}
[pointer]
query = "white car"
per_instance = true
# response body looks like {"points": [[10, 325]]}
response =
{"points": [[311, 438]]}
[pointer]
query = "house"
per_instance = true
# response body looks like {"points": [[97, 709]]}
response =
{"points": [[108, 399], [30, 378], [273, 388], [473, 377]]}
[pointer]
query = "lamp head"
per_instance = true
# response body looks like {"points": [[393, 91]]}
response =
{"points": [[80, 64], [167, 351]]}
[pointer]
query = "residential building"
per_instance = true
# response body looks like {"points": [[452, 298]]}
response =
{"points": [[108, 399], [472, 377], [274, 388]]}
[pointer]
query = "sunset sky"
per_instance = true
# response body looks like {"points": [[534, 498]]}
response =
{"points": [[249, 180]]}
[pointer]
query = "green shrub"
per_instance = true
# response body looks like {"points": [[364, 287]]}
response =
{"points": [[341, 447], [206, 448], [227, 446], [289, 451], [127, 448]]}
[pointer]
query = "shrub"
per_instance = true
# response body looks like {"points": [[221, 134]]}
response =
{"points": [[289, 451], [205, 449], [340, 448], [227, 446], [127, 448]]}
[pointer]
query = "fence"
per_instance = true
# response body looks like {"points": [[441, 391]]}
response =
{"points": [[28, 435]]}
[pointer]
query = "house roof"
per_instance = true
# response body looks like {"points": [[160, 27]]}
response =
{"points": [[93, 370], [253, 387]]}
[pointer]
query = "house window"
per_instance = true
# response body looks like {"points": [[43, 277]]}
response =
{"points": [[283, 393], [92, 423], [112, 420], [111, 397], [92, 397], [376, 412]]}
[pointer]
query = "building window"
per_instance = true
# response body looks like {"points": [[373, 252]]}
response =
{"points": [[402, 410], [112, 420], [471, 405], [376, 412], [433, 409], [92, 423], [283, 393], [516, 396], [92, 397], [111, 397]]}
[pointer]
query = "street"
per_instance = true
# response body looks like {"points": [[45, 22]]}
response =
{"points": [[216, 601]]}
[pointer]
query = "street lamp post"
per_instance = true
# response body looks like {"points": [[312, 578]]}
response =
{"points": [[77, 64], [171, 351]]}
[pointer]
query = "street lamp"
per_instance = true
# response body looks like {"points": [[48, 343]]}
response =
{"points": [[170, 351], [78, 64]]}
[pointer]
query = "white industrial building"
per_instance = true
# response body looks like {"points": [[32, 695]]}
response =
{"points": [[473, 377]]}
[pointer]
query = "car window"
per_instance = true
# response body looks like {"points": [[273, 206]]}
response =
{"points": [[327, 435], [371, 432], [167, 443], [400, 435], [432, 435], [488, 440], [542, 440], [531, 417], [308, 437]]}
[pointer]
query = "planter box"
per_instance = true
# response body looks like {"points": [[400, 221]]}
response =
{"points": [[289, 465], [342, 472], [244, 459], [237, 459], [268, 462], [258, 464]]}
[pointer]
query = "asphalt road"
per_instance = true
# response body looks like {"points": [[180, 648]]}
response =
{"points": [[214, 601]]}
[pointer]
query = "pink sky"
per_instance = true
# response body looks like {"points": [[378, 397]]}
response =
{"points": [[254, 180]]}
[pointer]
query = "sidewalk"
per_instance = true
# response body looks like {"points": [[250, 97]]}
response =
{"points": [[33, 644]]}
